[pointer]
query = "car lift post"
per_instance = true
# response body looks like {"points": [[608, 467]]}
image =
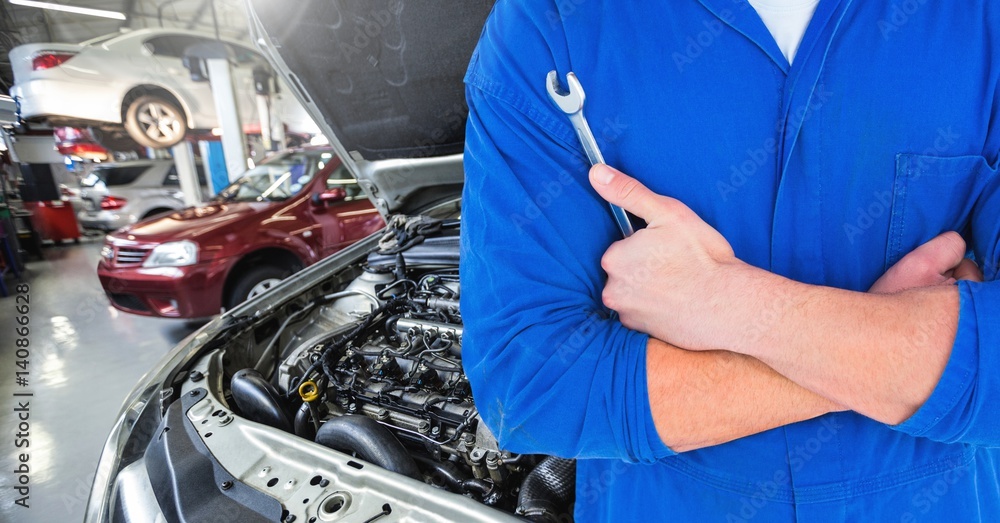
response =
{"points": [[215, 57], [262, 88], [187, 173]]}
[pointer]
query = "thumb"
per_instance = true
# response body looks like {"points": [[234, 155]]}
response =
{"points": [[620, 189], [943, 253]]}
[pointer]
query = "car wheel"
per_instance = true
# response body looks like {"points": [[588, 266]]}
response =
{"points": [[156, 212], [155, 122], [254, 282]]}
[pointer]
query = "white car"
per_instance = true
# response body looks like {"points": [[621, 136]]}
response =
{"points": [[138, 80], [118, 194]]}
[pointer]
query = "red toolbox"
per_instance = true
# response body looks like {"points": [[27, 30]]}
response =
{"points": [[54, 220]]}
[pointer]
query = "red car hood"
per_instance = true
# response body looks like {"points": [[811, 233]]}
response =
{"points": [[194, 223]]}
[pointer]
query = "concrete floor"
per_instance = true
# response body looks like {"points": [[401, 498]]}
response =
{"points": [[85, 358]]}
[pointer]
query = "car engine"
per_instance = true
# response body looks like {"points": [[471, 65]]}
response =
{"points": [[377, 373]]}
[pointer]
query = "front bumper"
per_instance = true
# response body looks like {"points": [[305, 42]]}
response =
{"points": [[66, 100], [169, 292]]}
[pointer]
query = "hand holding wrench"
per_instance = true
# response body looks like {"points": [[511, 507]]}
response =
{"points": [[571, 103]]}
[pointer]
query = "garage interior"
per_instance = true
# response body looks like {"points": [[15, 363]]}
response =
{"points": [[86, 355], [231, 237]]}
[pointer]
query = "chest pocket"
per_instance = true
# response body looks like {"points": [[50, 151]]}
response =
{"points": [[932, 195]]}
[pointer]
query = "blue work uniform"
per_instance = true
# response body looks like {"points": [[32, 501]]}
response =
{"points": [[883, 134]]}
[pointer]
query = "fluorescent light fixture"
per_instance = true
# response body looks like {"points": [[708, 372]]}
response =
{"points": [[70, 9]]}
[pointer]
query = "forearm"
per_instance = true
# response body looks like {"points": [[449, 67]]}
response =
{"points": [[701, 399], [879, 355]]}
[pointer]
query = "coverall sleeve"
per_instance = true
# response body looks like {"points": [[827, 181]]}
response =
{"points": [[552, 370], [965, 405]]}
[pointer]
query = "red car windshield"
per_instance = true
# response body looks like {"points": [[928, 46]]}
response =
{"points": [[278, 179]]}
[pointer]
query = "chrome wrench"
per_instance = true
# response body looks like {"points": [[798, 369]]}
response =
{"points": [[571, 103]]}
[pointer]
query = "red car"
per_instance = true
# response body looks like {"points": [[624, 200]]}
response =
{"points": [[285, 214]]}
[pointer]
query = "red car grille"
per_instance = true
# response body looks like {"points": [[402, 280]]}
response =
{"points": [[130, 256]]}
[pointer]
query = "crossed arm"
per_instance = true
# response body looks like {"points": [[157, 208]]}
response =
{"points": [[774, 350]]}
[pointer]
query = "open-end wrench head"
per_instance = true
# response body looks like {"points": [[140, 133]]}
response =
{"points": [[570, 102]]}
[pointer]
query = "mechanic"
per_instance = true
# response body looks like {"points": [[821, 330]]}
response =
{"points": [[786, 340]]}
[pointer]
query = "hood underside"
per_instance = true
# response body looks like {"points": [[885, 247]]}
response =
{"points": [[383, 79]]}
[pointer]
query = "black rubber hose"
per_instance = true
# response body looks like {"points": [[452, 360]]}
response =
{"points": [[259, 401], [303, 423], [366, 439], [455, 480], [548, 491]]}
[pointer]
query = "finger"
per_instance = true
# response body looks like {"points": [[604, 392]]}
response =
{"points": [[624, 191], [968, 270], [943, 253]]}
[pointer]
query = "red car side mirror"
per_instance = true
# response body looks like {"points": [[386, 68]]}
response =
{"points": [[337, 194]]}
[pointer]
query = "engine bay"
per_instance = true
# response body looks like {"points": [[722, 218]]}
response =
{"points": [[370, 365]]}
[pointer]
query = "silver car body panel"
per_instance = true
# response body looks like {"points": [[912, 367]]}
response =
{"points": [[145, 194]]}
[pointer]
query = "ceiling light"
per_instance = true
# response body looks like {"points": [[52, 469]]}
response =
{"points": [[70, 9]]}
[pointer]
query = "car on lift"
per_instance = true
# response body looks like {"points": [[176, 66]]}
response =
{"points": [[340, 394], [118, 194], [285, 214], [136, 84]]}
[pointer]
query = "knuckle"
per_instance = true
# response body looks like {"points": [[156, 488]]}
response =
{"points": [[610, 259], [606, 263], [627, 190], [671, 205], [676, 210], [608, 298]]}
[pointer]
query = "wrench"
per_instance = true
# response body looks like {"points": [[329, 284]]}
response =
{"points": [[571, 103]]}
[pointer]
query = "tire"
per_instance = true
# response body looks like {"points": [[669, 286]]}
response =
{"points": [[252, 281], [156, 212], [156, 122]]}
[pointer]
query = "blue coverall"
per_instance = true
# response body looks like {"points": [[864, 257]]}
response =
{"points": [[883, 134]]}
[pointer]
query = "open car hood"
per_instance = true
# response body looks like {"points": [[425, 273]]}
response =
{"points": [[383, 79]]}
